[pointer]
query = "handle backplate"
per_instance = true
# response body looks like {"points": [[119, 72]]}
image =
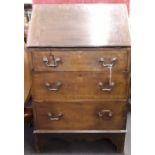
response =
{"points": [[105, 113], [106, 87], [52, 61], [107, 63], [53, 86], [55, 117]]}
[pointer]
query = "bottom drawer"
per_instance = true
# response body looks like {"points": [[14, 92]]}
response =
{"points": [[80, 116]]}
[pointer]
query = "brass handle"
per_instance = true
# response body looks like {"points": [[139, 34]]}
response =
{"points": [[105, 114], [53, 86], [52, 61], [105, 64], [107, 86], [55, 117]]}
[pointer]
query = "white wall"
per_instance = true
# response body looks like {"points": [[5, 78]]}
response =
{"points": [[27, 1]]}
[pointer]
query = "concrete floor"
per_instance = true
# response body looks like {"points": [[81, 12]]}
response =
{"points": [[60, 147]]}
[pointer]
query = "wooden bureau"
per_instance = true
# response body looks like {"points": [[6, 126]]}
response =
{"points": [[80, 63]]}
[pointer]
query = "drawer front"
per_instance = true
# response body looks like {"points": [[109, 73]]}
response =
{"points": [[80, 116], [80, 60], [78, 85]]}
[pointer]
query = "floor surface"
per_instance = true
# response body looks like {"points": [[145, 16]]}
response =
{"points": [[60, 147]]}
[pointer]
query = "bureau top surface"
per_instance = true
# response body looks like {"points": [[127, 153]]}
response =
{"points": [[78, 25]]}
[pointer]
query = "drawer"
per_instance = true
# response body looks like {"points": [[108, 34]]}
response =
{"points": [[80, 116], [78, 85], [80, 60]]}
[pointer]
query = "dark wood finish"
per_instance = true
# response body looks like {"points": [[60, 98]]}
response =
{"points": [[80, 60], [117, 139], [39, 142], [28, 116], [79, 25], [65, 91], [78, 85], [81, 116]]}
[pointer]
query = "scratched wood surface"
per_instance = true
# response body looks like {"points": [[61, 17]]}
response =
{"points": [[79, 25]]}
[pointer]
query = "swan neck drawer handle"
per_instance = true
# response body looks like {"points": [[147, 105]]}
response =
{"points": [[53, 86], [54, 117], [107, 86], [52, 61], [105, 114], [104, 64]]}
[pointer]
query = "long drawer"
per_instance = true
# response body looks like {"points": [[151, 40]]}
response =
{"points": [[80, 115], [84, 60], [78, 85]]}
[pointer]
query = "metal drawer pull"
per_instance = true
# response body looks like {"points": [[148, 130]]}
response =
{"points": [[105, 113], [53, 86], [55, 117], [112, 62], [107, 86], [52, 61]]}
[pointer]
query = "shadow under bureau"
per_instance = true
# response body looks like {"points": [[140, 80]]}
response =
{"points": [[80, 65]]}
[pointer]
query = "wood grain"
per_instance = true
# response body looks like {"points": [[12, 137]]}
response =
{"points": [[77, 85], [79, 25], [80, 34], [81, 116], [27, 77], [81, 60]]}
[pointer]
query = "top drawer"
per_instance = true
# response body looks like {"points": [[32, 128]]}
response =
{"points": [[80, 60]]}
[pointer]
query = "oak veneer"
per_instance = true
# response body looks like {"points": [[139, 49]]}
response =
{"points": [[79, 25], [27, 77], [80, 65], [78, 85], [81, 60], [81, 116]]}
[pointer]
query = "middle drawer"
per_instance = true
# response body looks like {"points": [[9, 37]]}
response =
{"points": [[78, 85]]}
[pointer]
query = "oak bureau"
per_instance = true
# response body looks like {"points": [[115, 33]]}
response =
{"points": [[80, 63]]}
